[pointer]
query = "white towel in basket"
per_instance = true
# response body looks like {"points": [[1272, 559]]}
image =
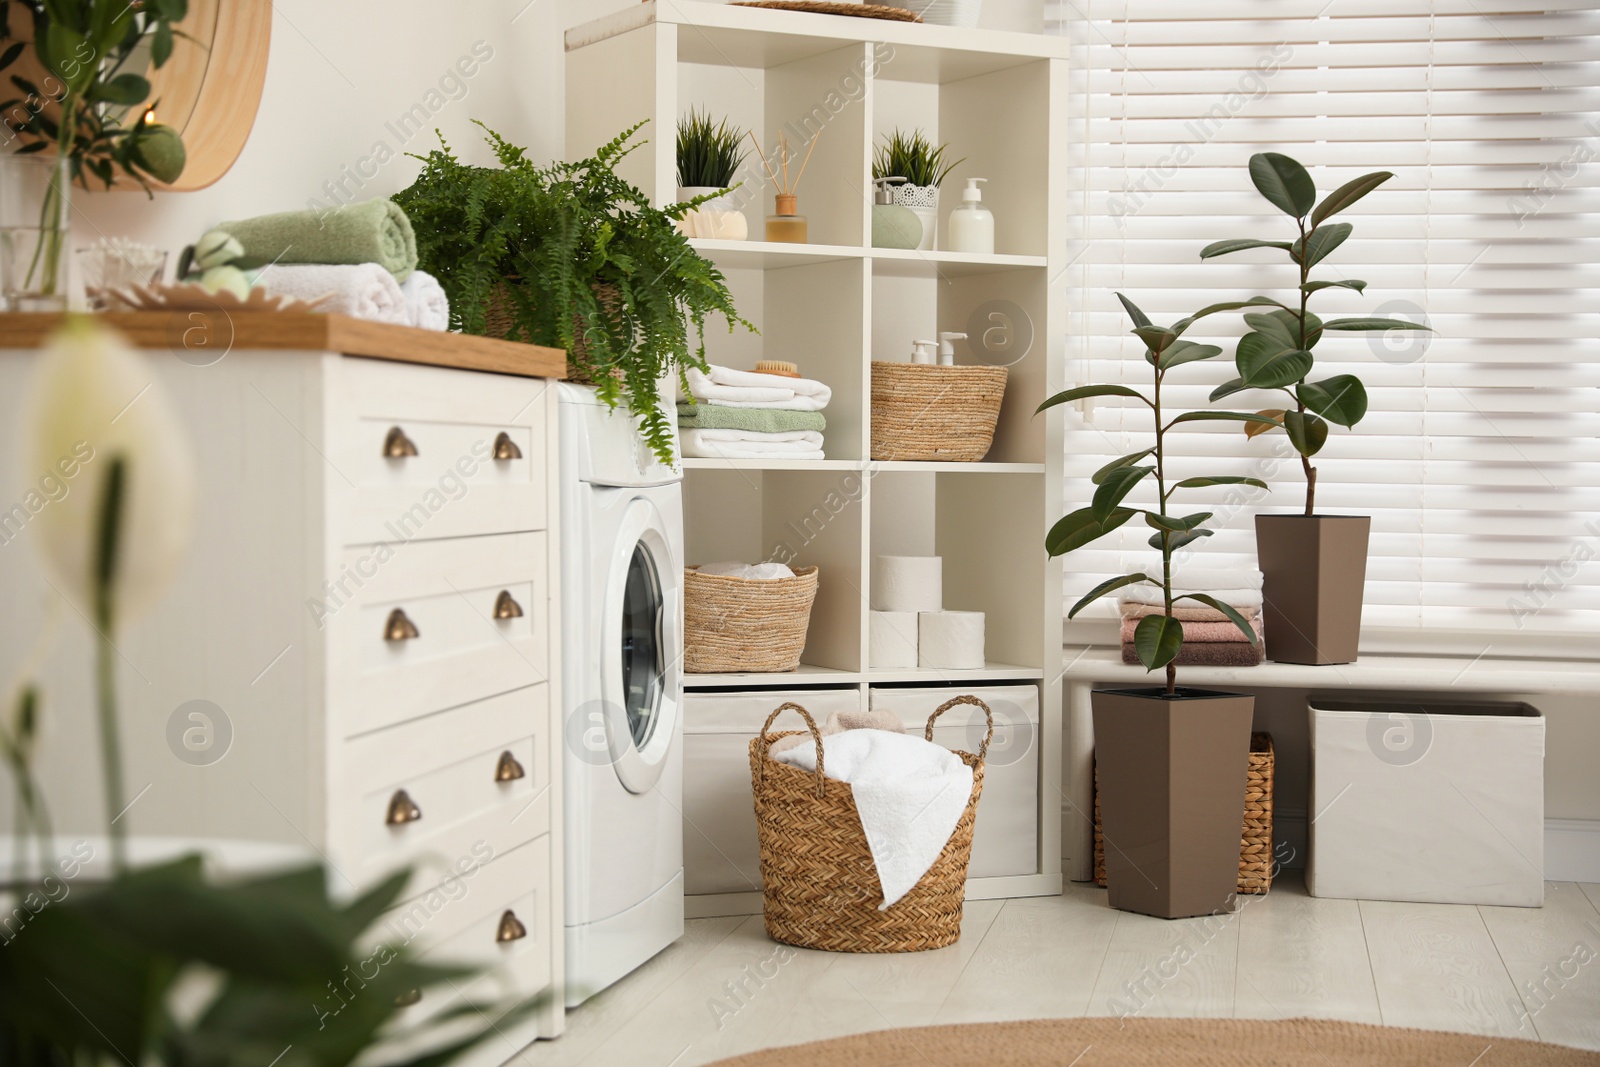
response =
{"points": [[910, 794]]}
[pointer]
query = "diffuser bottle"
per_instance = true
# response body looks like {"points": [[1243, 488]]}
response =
{"points": [[787, 224], [972, 224]]}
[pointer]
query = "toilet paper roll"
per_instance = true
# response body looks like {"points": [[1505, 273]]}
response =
{"points": [[950, 640], [892, 639], [908, 583]]}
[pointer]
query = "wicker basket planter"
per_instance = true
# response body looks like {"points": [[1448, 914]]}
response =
{"points": [[499, 322], [928, 412], [819, 885], [745, 624], [1255, 843]]}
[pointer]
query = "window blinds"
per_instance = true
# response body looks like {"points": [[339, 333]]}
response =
{"points": [[1479, 460]]}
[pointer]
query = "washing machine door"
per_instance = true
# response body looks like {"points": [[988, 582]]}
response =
{"points": [[641, 647]]}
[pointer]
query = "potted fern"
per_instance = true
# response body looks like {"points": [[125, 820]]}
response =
{"points": [[913, 157], [1171, 760], [708, 159], [1314, 565], [572, 256]]}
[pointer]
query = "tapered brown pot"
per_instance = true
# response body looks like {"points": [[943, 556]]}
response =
{"points": [[1315, 568], [1172, 776]]}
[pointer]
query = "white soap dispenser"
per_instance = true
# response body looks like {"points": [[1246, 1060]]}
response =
{"points": [[922, 351], [947, 351], [972, 224]]}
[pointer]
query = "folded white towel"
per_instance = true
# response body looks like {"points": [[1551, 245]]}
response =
{"points": [[1197, 577], [910, 794], [430, 308], [747, 389], [361, 290], [1151, 594], [701, 444]]}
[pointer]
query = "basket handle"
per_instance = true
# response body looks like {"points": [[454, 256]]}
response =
{"points": [[768, 738], [988, 715]]}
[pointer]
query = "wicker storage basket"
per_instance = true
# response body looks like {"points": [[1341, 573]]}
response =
{"points": [[1255, 842], [819, 885], [745, 624], [928, 412]]}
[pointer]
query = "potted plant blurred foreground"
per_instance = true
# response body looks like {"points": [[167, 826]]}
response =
{"points": [[1171, 760], [1314, 566], [161, 964]]}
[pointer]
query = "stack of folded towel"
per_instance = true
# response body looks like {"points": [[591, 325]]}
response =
{"points": [[358, 260], [1210, 638], [752, 415]]}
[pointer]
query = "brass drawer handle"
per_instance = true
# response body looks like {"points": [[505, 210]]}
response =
{"points": [[402, 809], [400, 627], [506, 606], [505, 447], [508, 769], [397, 445], [511, 928], [408, 998]]}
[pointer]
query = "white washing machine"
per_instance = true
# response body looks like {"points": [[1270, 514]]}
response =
{"points": [[622, 653]]}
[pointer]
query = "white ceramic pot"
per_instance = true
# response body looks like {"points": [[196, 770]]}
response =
{"points": [[942, 12], [923, 200], [719, 219]]}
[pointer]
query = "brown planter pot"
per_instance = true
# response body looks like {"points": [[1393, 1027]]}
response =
{"points": [[1172, 784], [1315, 568]]}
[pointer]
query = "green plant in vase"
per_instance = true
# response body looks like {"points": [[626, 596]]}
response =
{"points": [[1187, 746], [573, 256], [924, 166], [77, 108], [709, 157], [1314, 566]]}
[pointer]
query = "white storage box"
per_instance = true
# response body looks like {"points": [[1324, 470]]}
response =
{"points": [[1427, 801], [1005, 839]]}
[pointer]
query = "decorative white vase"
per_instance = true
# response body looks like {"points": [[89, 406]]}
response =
{"points": [[718, 219], [923, 200], [942, 12]]}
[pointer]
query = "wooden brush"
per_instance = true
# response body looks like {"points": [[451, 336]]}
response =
{"points": [[780, 367]]}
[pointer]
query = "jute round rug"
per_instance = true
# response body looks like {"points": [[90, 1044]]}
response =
{"points": [[1190, 1042]]}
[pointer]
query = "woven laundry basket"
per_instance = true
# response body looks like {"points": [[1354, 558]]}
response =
{"points": [[1255, 841], [733, 625], [819, 885], [924, 411]]}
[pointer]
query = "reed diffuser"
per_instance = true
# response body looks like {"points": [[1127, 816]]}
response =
{"points": [[787, 224]]}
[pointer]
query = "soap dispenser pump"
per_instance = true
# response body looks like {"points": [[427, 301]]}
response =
{"points": [[922, 351], [972, 224], [893, 225], [947, 351]]}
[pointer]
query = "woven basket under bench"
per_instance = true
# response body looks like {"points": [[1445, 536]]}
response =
{"points": [[1255, 842], [819, 884]]}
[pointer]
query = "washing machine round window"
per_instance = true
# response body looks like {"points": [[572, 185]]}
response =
{"points": [[641, 645], [639, 632]]}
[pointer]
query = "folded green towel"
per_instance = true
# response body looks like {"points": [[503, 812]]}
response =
{"points": [[705, 416], [373, 231]]}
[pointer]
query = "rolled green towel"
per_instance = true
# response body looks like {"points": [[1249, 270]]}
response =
{"points": [[373, 231], [706, 416]]}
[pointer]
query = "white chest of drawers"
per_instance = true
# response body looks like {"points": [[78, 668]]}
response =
{"points": [[368, 618]]}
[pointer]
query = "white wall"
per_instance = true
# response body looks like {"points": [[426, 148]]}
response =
{"points": [[340, 73]]}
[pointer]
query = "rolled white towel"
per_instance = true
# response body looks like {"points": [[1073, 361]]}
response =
{"points": [[743, 444], [430, 308], [361, 290], [747, 389]]}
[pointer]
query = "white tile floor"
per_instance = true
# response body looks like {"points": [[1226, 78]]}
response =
{"points": [[726, 989]]}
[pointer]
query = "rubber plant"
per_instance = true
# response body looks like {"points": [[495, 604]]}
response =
{"points": [[1277, 352], [1158, 638], [573, 256]]}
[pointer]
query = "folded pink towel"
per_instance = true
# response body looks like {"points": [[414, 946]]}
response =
{"points": [[1240, 653], [1201, 632], [1184, 611]]}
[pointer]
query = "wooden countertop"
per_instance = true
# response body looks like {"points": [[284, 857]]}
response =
{"points": [[304, 331]]}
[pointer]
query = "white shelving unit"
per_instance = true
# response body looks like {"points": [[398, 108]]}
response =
{"points": [[836, 304]]}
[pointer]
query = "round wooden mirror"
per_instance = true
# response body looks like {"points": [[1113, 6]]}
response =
{"points": [[210, 88]]}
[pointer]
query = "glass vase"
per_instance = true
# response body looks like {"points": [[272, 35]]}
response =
{"points": [[35, 206]]}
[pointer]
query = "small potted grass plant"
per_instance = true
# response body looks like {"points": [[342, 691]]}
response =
{"points": [[1313, 565], [1171, 760], [924, 167], [708, 160]]}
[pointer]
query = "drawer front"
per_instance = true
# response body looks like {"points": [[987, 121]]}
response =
{"points": [[458, 786], [464, 923], [437, 624], [424, 452]]}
